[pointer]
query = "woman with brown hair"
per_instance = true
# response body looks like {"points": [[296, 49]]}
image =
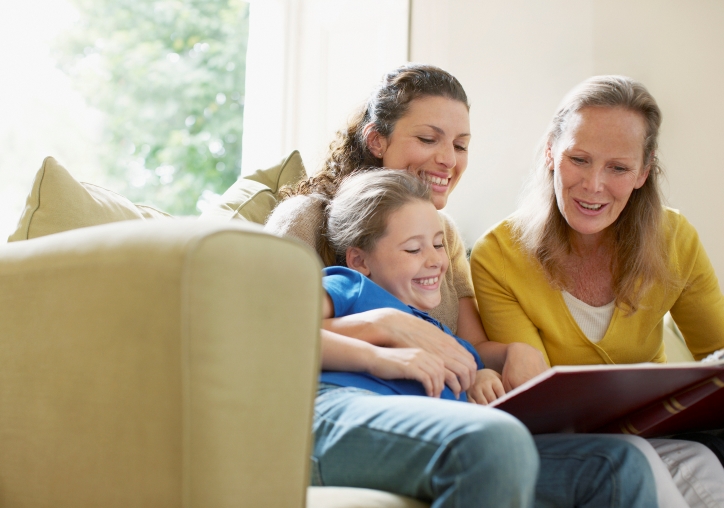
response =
{"points": [[591, 262], [416, 120]]}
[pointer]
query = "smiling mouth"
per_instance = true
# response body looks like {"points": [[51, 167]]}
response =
{"points": [[429, 281], [436, 180], [590, 206]]}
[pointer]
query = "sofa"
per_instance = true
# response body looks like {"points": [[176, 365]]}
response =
{"points": [[154, 361]]}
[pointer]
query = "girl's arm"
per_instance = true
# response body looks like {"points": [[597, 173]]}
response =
{"points": [[517, 362], [342, 353], [391, 329]]}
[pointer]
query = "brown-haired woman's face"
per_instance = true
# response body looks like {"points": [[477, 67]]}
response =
{"points": [[597, 163], [431, 141]]}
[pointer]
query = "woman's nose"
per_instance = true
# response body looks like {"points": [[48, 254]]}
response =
{"points": [[593, 179], [446, 156]]}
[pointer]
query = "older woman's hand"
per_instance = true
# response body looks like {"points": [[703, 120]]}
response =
{"points": [[522, 362], [396, 329]]}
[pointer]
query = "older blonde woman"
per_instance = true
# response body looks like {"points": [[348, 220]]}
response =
{"points": [[589, 265]]}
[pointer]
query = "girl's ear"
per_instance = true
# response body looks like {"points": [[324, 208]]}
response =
{"points": [[376, 142], [357, 261]]}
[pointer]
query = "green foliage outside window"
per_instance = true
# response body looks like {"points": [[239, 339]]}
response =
{"points": [[169, 77]]}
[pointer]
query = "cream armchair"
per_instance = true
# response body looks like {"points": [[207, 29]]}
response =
{"points": [[157, 363]]}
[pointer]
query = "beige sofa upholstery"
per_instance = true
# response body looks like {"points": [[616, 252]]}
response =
{"points": [[159, 363]]}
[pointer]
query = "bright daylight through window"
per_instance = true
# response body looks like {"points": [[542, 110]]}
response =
{"points": [[144, 97]]}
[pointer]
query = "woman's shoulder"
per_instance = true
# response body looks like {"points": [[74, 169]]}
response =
{"points": [[450, 229], [677, 229], [299, 216], [500, 236]]}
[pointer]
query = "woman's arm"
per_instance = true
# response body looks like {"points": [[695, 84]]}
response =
{"points": [[503, 318], [517, 362], [699, 310], [342, 353], [391, 328]]}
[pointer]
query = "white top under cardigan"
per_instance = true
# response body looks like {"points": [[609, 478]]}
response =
{"points": [[593, 321]]}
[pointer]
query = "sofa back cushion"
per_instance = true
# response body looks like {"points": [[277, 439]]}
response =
{"points": [[253, 197], [58, 202]]}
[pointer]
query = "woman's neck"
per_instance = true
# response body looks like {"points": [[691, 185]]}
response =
{"points": [[590, 246], [588, 267]]}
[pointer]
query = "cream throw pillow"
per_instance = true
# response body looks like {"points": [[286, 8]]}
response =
{"points": [[58, 202], [253, 197]]}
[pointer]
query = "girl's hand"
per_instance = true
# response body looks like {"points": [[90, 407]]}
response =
{"points": [[408, 363], [395, 329], [488, 386], [522, 362]]}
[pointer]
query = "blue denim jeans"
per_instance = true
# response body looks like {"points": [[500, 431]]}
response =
{"points": [[455, 454]]}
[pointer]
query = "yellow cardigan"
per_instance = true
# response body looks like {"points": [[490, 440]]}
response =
{"points": [[517, 304]]}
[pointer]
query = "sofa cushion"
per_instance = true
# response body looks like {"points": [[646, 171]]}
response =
{"points": [[58, 202], [253, 197], [349, 497]]}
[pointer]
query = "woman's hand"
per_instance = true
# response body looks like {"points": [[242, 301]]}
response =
{"points": [[408, 363], [488, 386], [392, 328], [522, 362]]}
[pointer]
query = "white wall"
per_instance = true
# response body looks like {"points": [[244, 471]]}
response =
{"points": [[516, 59]]}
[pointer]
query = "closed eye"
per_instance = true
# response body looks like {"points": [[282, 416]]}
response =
{"points": [[427, 141], [439, 246], [461, 148], [412, 251]]}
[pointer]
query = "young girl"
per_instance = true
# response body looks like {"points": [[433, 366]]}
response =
{"points": [[384, 228], [386, 231]]}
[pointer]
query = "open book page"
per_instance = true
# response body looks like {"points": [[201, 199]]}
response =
{"points": [[589, 398]]}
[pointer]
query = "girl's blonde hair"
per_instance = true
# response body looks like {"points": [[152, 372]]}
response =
{"points": [[639, 258], [358, 214]]}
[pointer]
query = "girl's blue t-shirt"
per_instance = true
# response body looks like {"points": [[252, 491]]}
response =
{"points": [[352, 293]]}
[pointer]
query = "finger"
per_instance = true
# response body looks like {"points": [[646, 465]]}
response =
{"points": [[451, 380], [463, 376], [498, 389], [480, 397], [427, 383]]}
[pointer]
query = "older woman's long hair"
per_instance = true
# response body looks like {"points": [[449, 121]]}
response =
{"points": [[639, 258]]}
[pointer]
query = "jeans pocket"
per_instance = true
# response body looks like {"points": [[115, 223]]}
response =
{"points": [[315, 479]]}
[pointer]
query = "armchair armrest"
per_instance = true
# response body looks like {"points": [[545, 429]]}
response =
{"points": [[157, 363]]}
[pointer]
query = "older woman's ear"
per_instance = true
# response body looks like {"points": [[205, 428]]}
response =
{"points": [[549, 156], [641, 178]]}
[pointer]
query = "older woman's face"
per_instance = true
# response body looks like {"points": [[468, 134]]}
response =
{"points": [[597, 163], [431, 141]]}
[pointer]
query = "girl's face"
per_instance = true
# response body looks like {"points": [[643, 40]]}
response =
{"points": [[597, 163], [431, 141], [409, 261]]}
